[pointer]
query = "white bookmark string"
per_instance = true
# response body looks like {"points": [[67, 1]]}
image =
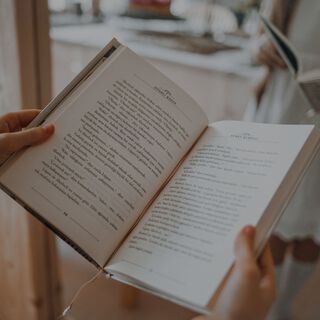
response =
{"points": [[78, 292]]}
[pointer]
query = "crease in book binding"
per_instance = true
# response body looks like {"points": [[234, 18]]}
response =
{"points": [[149, 204]]}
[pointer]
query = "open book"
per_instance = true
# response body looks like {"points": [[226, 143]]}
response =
{"points": [[308, 81], [140, 184]]}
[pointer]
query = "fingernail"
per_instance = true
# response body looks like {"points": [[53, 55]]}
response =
{"points": [[49, 128], [249, 230]]}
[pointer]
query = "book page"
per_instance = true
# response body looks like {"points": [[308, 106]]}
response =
{"points": [[184, 244], [116, 141]]}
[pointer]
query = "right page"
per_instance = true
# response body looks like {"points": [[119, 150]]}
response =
{"points": [[184, 245]]}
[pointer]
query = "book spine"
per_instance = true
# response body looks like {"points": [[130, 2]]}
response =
{"points": [[104, 54], [59, 233]]}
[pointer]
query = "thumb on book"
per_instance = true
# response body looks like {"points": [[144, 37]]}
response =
{"points": [[12, 142], [244, 246]]}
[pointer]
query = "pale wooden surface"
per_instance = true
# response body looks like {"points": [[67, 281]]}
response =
{"points": [[29, 277], [34, 51], [13, 282]]}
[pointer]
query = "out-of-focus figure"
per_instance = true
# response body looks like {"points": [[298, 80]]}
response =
{"points": [[296, 242]]}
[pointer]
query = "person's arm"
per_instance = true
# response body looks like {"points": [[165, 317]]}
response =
{"points": [[14, 138], [262, 49], [266, 54], [250, 289]]}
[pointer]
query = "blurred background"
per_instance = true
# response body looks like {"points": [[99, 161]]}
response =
{"points": [[191, 41], [202, 45]]}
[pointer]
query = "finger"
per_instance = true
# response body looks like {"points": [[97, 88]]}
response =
{"points": [[265, 260], [15, 121], [266, 266], [267, 282], [272, 56], [275, 52], [277, 61], [244, 246], [12, 142], [263, 58], [272, 51]]}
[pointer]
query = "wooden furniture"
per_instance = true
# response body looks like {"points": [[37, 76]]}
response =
{"points": [[29, 277]]}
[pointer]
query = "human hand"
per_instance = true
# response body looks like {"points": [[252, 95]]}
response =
{"points": [[13, 138], [266, 54], [250, 289]]}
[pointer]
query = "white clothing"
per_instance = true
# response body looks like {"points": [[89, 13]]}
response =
{"points": [[282, 102]]}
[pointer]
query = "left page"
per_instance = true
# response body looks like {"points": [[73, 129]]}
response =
{"points": [[117, 139]]}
